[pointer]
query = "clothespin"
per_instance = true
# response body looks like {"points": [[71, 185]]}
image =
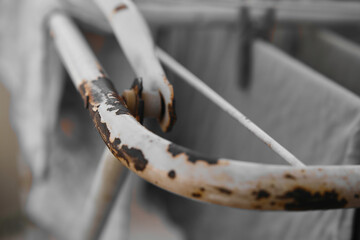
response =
{"points": [[250, 29]]}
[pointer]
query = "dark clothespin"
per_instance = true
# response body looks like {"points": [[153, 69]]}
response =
{"points": [[250, 29]]}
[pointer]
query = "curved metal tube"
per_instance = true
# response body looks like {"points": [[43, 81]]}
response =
{"points": [[135, 39], [185, 172]]}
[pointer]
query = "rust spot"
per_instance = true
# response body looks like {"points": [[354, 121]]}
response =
{"points": [[136, 157], [119, 154], [272, 203], [356, 195], [196, 195], [86, 104], [172, 114], [96, 41], [302, 170], [113, 102], [202, 189], [224, 190], [100, 126], [67, 126], [83, 90], [257, 207], [137, 110], [289, 176], [170, 106], [192, 156], [119, 8], [172, 174], [303, 199], [261, 194], [105, 135], [116, 142], [102, 90], [162, 113]]}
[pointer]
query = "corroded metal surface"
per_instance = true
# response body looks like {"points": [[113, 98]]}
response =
{"points": [[135, 39], [220, 181], [187, 173]]}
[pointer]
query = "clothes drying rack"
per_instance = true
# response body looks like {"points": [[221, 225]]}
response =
{"points": [[177, 169]]}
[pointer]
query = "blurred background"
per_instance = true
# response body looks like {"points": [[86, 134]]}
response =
{"points": [[305, 94]]}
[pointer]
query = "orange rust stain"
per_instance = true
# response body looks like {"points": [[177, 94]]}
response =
{"points": [[166, 81], [196, 195], [289, 176], [222, 162], [67, 126], [96, 41], [119, 8], [85, 90], [170, 107]]}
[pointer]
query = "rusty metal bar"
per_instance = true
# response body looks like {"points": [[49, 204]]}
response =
{"points": [[135, 39], [187, 173], [110, 174], [190, 13]]}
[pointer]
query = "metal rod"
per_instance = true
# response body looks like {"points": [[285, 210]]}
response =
{"points": [[109, 179], [134, 36], [200, 86], [81, 65]]}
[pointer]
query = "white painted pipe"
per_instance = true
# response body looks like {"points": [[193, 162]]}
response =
{"points": [[134, 36], [187, 173]]}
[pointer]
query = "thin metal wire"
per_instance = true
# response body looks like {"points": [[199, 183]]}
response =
{"points": [[200, 86]]}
